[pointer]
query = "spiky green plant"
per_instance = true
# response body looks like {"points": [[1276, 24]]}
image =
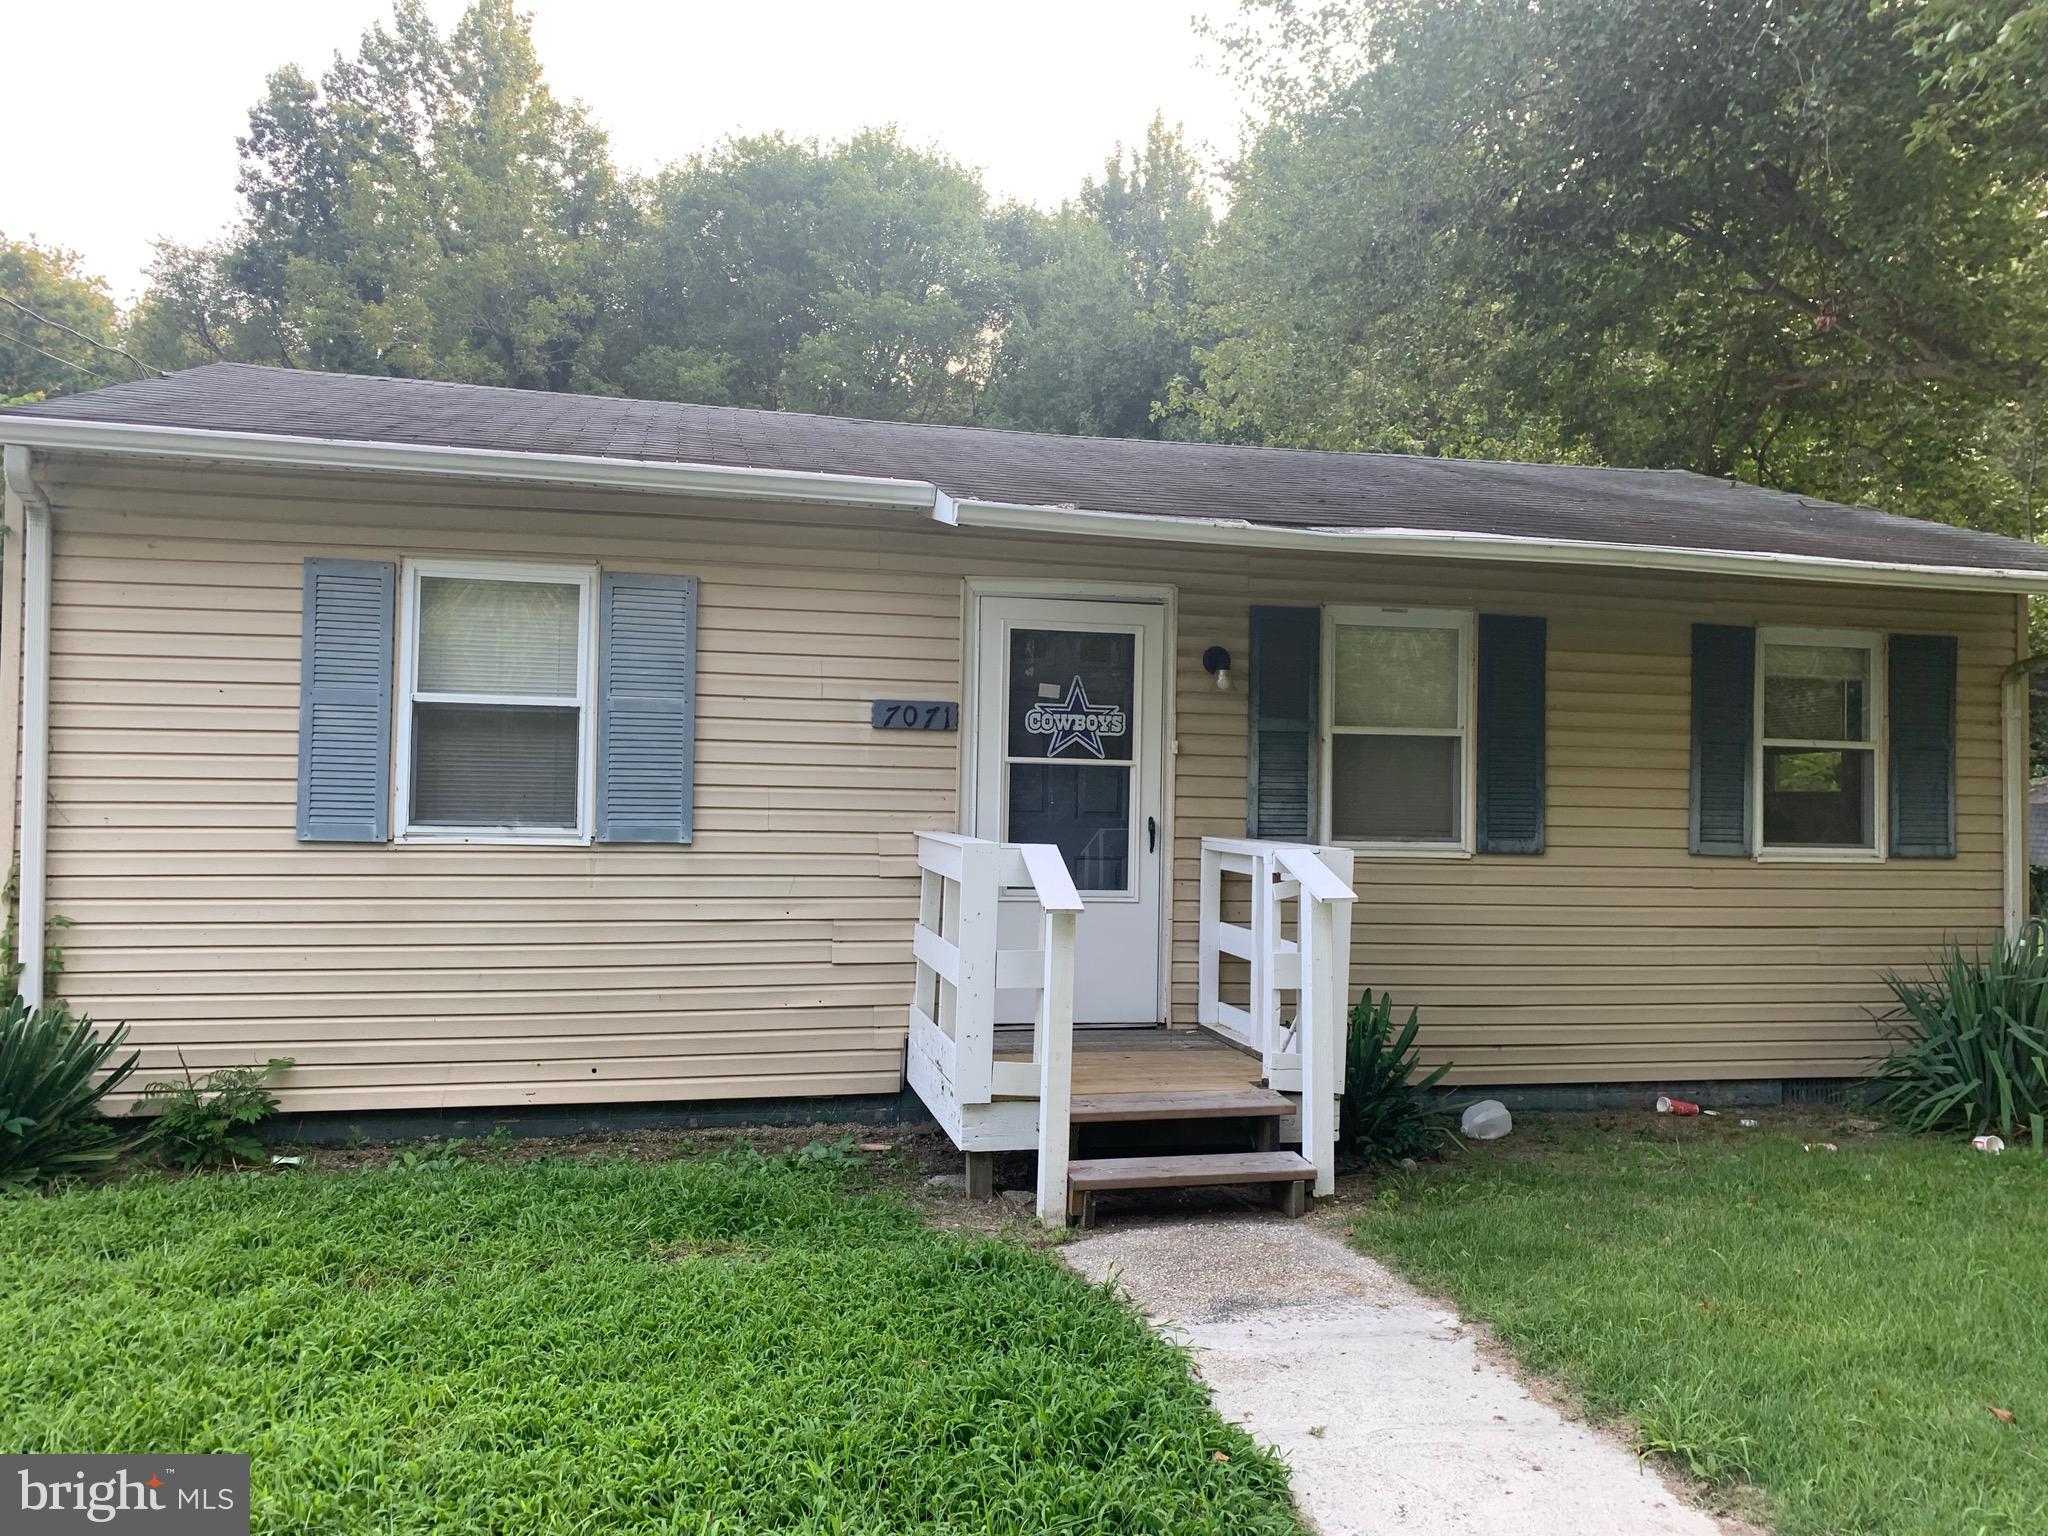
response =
{"points": [[54, 1071], [1970, 1042], [1386, 1113]]}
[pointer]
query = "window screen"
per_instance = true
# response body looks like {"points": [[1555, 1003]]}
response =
{"points": [[1399, 728], [497, 703], [1819, 745]]}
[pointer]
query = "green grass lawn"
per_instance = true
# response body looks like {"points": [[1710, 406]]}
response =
{"points": [[1831, 1327], [727, 1345]]}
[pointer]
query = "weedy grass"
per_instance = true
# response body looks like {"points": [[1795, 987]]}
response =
{"points": [[736, 1344], [1832, 1327]]}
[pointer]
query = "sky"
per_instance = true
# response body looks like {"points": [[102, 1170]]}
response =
{"points": [[141, 102]]}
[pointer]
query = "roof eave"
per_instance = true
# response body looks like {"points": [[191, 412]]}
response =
{"points": [[583, 471], [1421, 544], [743, 483]]}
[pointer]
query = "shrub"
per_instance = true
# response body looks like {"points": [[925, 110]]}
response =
{"points": [[54, 1071], [1386, 1115], [212, 1118], [1970, 1043]]}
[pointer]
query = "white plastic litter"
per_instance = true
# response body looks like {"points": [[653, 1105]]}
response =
{"points": [[1488, 1120], [1992, 1144]]}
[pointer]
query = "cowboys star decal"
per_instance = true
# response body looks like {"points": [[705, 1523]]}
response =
{"points": [[1074, 722]]}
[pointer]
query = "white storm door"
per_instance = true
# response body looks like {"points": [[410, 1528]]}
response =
{"points": [[1069, 750]]}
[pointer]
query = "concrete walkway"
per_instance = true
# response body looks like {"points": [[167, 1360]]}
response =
{"points": [[1378, 1398]]}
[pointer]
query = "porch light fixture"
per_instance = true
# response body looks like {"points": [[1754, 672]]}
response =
{"points": [[1216, 662]]}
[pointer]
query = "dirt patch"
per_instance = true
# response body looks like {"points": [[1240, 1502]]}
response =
{"points": [[882, 1148]]}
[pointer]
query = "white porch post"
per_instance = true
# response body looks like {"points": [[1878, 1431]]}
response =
{"points": [[1209, 957], [1055, 1065], [1341, 862], [1264, 1000], [1316, 1028], [974, 1019]]}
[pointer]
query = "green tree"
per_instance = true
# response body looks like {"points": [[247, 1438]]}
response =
{"points": [[1156, 211], [51, 314], [428, 207], [1080, 353], [1102, 332], [194, 313], [1762, 238], [853, 279], [1990, 61]]}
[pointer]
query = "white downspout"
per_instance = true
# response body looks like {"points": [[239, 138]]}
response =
{"points": [[31, 924]]}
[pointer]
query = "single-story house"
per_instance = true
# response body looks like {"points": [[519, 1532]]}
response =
{"points": [[476, 747]]}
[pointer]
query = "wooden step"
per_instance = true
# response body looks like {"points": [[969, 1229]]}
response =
{"points": [[1181, 1104], [1087, 1177]]}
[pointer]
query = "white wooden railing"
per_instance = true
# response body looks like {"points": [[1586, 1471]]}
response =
{"points": [[1302, 1047], [960, 968]]}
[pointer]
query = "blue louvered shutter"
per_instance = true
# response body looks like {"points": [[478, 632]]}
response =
{"points": [[1286, 650], [345, 650], [1921, 686], [646, 708], [1723, 719], [1512, 666]]}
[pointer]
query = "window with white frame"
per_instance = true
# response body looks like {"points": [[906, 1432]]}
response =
{"points": [[1397, 754], [1819, 722], [495, 717]]}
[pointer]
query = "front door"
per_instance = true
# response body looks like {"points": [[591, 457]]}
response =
{"points": [[1069, 750]]}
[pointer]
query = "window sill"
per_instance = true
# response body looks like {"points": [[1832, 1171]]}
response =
{"points": [[1406, 850], [1819, 856], [492, 837]]}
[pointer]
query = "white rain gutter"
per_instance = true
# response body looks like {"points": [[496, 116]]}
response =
{"points": [[1235, 533], [583, 471], [31, 925], [824, 488]]}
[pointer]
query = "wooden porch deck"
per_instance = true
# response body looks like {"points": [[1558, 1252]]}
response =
{"points": [[1147, 1060]]}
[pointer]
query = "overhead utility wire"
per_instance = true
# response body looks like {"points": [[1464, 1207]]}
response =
{"points": [[90, 341]]}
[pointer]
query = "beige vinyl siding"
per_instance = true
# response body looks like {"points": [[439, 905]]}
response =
{"points": [[771, 957], [1616, 955]]}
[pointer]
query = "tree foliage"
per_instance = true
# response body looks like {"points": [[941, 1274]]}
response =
{"points": [[1795, 241], [1100, 334], [1799, 242], [854, 280], [50, 313], [429, 208]]}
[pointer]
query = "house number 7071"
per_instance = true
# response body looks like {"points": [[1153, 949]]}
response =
{"points": [[913, 715]]}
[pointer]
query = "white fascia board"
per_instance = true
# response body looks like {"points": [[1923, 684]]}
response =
{"points": [[1494, 547], [583, 471]]}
